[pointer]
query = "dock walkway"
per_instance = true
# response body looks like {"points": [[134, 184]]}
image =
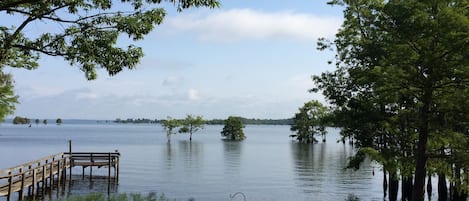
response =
{"points": [[51, 170]]}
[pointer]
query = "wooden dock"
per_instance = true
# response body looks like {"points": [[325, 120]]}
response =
{"points": [[51, 171]]}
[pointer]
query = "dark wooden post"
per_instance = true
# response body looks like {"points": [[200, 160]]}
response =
{"points": [[43, 179], [51, 174], [70, 158], [33, 185], [109, 173], [59, 172], [65, 170], [91, 167], [29, 186], [21, 195], [70, 147], [109, 167], [118, 168], [10, 183]]}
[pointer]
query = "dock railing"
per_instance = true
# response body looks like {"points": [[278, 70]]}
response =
{"points": [[31, 174], [96, 159], [45, 171]]}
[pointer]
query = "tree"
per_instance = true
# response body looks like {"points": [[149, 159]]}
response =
{"points": [[83, 32], [44, 121], [20, 120], [36, 121], [233, 129], [7, 96], [309, 122], [191, 125], [168, 125], [405, 59], [58, 121]]}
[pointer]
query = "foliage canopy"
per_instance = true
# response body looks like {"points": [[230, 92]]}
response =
{"points": [[169, 125], [83, 32], [401, 82], [191, 124], [309, 122], [7, 96], [233, 129]]}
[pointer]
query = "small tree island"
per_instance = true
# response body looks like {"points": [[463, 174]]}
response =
{"points": [[309, 122], [233, 129], [21, 120]]}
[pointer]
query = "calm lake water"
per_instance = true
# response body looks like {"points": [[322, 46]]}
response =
{"points": [[266, 166]]}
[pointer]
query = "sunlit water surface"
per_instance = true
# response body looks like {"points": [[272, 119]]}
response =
{"points": [[266, 166]]}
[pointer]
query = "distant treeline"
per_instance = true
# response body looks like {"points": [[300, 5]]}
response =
{"points": [[254, 121], [25, 120], [136, 121], [211, 122]]}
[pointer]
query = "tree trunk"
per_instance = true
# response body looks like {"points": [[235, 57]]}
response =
{"points": [[406, 188], [442, 188], [458, 194], [420, 169], [393, 187], [451, 190], [429, 187], [385, 183], [418, 192]]}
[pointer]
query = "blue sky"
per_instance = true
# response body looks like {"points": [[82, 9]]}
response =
{"points": [[248, 58]]}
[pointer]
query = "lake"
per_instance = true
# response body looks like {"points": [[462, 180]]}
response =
{"points": [[267, 166]]}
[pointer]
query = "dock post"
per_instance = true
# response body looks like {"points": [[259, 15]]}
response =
{"points": [[91, 172], [118, 168], [29, 186], [21, 195], [43, 180], [33, 185], [91, 167], [109, 168], [65, 170], [70, 158], [10, 182], [51, 174], [59, 172]]}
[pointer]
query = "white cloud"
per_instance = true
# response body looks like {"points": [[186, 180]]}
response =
{"points": [[248, 24], [193, 94]]}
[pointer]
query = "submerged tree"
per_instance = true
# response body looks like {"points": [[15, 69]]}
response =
{"points": [[309, 122], [406, 62], [233, 129], [20, 120], [191, 125], [169, 124], [83, 32]]}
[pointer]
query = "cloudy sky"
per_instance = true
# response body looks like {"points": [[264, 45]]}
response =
{"points": [[251, 58]]}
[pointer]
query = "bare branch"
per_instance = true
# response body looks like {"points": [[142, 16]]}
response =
{"points": [[50, 53]]}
